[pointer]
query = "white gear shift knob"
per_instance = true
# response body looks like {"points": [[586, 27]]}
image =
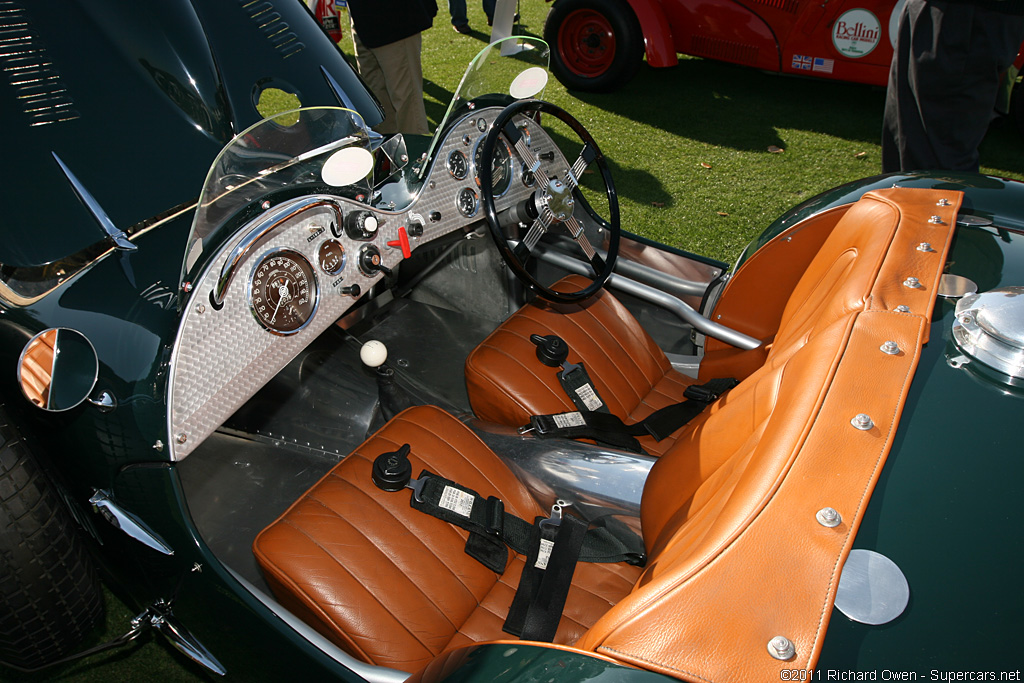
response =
{"points": [[373, 353]]}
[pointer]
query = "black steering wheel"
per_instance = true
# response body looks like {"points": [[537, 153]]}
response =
{"points": [[553, 202]]}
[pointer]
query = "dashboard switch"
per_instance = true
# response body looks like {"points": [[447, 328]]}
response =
{"points": [[402, 243], [370, 262], [361, 225]]}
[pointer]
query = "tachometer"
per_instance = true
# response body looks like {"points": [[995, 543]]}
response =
{"points": [[283, 291]]}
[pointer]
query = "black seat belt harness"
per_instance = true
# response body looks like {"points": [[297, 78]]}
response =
{"points": [[553, 352], [551, 545]]}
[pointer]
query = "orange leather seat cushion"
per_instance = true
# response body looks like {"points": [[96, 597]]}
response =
{"points": [[507, 383], [357, 562]]}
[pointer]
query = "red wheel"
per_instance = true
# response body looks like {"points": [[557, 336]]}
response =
{"points": [[597, 44], [586, 42]]}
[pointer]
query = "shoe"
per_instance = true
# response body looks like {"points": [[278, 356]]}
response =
{"points": [[464, 29]]}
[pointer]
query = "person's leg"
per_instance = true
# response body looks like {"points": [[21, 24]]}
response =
{"points": [[951, 56], [403, 73], [372, 73], [489, 6], [457, 8]]}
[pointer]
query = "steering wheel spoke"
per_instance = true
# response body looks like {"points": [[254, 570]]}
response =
{"points": [[537, 230], [526, 155], [554, 202], [574, 175], [575, 229]]}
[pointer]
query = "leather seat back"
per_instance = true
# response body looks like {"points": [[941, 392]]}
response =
{"points": [[507, 383]]}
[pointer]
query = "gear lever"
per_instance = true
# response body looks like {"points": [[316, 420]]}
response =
{"points": [[391, 398]]}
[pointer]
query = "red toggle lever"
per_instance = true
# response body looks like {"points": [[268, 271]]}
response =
{"points": [[402, 242]]}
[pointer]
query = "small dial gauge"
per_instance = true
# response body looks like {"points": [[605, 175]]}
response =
{"points": [[331, 256], [283, 291], [458, 165], [467, 201], [501, 166], [528, 178]]}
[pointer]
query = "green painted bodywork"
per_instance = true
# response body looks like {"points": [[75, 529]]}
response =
{"points": [[945, 506]]}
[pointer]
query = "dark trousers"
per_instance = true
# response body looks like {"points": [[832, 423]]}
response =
{"points": [[943, 83]]}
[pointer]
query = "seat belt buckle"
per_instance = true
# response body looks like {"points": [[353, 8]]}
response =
{"points": [[567, 425], [696, 392]]}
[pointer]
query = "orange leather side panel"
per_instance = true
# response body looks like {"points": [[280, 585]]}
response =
{"points": [[723, 579], [710, 618]]}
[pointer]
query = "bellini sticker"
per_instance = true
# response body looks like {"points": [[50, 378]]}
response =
{"points": [[856, 33]]}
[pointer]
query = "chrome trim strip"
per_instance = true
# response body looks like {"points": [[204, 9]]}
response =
{"points": [[25, 285], [261, 230], [119, 237], [128, 523]]}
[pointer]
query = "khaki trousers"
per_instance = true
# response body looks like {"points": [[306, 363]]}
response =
{"points": [[394, 74]]}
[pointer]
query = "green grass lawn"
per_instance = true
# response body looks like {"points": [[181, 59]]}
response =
{"points": [[689, 145], [689, 152]]}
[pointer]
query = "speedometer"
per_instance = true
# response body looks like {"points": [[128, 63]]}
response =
{"points": [[283, 291], [501, 166]]}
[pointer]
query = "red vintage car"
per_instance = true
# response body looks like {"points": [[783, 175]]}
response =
{"points": [[598, 45]]}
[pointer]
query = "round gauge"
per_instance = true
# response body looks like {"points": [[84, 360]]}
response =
{"points": [[331, 256], [528, 178], [501, 166], [481, 125], [466, 201], [283, 291], [458, 165]]}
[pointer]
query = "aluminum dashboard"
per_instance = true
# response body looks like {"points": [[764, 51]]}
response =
{"points": [[224, 352]]}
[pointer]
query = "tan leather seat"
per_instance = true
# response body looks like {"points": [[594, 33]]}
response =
{"points": [[507, 383], [392, 585]]}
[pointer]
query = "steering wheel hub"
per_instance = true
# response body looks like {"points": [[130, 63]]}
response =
{"points": [[557, 198]]}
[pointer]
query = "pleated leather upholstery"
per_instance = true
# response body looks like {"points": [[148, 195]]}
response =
{"points": [[392, 585], [507, 383], [725, 573]]}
